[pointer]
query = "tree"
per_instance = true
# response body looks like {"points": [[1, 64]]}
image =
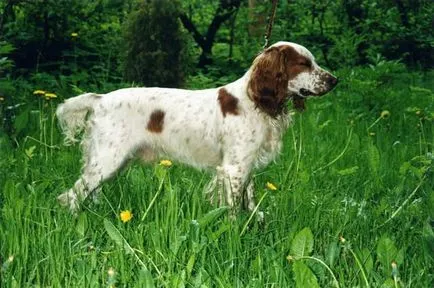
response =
{"points": [[225, 10], [155, 45]]}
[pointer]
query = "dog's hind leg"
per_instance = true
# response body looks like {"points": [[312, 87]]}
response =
{"points": [[103, 160]]}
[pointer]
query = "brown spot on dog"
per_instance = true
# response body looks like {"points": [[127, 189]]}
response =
{"points": [[228, 102], [156, 121]]}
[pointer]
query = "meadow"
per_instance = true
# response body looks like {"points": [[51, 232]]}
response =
{"points": [[353, 204]]}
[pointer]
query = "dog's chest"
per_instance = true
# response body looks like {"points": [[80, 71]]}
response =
{"points": [[272, 144]]}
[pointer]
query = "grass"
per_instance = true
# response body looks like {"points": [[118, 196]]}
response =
{"points": [[361, 185]]}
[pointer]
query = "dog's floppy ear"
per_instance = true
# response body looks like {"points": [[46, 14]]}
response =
{"points": [[268, 83]]}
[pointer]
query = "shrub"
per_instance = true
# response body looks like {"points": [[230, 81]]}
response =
{"points": [[155, 53]]}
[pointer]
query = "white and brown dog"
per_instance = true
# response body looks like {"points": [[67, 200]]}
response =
{"points": [[230, 130]]}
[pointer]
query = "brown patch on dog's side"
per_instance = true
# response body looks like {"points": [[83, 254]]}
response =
{"points": [[228, 102], [156, 121]]}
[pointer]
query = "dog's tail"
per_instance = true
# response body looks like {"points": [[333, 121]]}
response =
{"points": [[72, 115]]}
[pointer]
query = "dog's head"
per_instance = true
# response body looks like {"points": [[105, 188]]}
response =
{"points": [[283, 71]]}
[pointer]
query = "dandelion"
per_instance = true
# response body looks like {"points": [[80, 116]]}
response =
{"points": [[111, 281], [271, 186], [385, 114], [126, 216], [394, 270], [166, 163], [342, 239], [7, 263], [111, 272], [39, 92], [74, 34], [371, 133], [49, 96]]}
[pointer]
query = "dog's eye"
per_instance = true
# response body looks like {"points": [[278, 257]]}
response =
{"points": [[304, 63]]}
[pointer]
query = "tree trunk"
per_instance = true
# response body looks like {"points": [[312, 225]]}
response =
{"points": [[257, 20], [224, 12]]}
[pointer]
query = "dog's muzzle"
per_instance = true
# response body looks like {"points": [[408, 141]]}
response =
{"points": [[330, 82]]}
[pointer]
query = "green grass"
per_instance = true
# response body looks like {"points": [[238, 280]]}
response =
{"points": [[373, 187]]}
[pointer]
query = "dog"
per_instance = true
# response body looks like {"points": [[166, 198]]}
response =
{"points": [[230, 130]]}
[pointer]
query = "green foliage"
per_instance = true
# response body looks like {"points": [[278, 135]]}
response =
{"points": [[329, 180], [345, 171], [304, 277], [387, 254], [156, 55], [302, 245]]}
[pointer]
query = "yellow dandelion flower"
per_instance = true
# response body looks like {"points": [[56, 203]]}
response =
{"points": [[74, 34], [394, 269], [166, 163], [50, 95], [39, 92], [126, 216], [385, 114], [271, 186], [111, 272]]}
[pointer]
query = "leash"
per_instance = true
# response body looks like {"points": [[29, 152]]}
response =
{"points": [[270, 24]]}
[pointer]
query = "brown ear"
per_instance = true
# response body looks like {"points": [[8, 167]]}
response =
{"points": [[268, 83]]}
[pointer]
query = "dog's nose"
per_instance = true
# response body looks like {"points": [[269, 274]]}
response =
{"points": [[332, 81]]}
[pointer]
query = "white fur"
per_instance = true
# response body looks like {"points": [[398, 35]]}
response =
{"points": [[195, 132]]}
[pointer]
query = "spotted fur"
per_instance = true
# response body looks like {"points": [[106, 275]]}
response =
{"points": [[229, 130]]}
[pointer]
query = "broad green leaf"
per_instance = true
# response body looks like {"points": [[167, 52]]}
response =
{"points": [[302, 245], [373, 157], [9, 190], [190, 265], [388, 253], [222, 229], [145, 279], [176, 243], [389, 283], [177, 280], [82, 225], [348, 171], [332, 253], [211, 216], [21, 121], [404, 168], [29, 151], [304, 277], [116, 236], [366, 260], [428, 236]]}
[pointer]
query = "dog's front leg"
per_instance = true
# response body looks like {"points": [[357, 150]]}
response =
{"points": [[249, 201], [234, 179]]}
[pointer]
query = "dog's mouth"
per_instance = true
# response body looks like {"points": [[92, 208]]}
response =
{"points": [[305, 93], [330, 84]]}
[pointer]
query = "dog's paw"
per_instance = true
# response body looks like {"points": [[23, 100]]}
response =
{"points": [[260, 217], [68, 200]]}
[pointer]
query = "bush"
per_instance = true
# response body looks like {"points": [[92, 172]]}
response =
{"points": [[156, 54]]}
